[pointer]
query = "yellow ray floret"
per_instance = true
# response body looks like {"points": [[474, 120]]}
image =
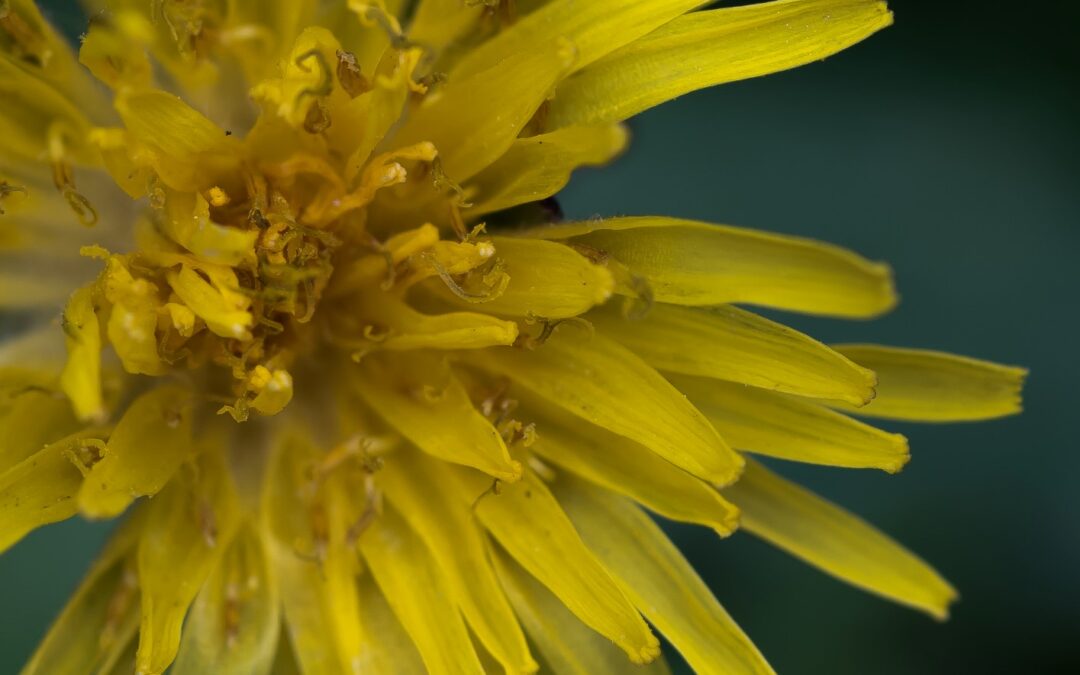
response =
{"points": [[836, 541], [692, 263], [660, 581], [931, 386]]}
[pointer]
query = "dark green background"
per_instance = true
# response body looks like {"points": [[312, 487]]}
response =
{"points": [[948, 146]]}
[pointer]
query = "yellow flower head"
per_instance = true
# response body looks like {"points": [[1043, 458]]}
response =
{"points": [[380, 436]]}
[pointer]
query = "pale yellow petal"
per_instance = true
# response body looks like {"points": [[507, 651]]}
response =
{"points": [[391, 651], [411, 582], [537, 167], [592, 29], [704, 49], [414, 485], [110, 53], [133, 319], [661, 583], [223, 316], [32, 419], [186, 220], [37, 119], [41, 489], [692, 263], [187, 528], [29, 39], [732, 344], [306, 525], [419, 396], [81, 379], [607, 385], [791, 428], [93, 633], [232, 627], [145, 449], [189, 152], [567, 646], [473, 120], [931, 386], [439, 22], [399, 327], [525, 518], [836, 541], [620, 464], [546, 280]]}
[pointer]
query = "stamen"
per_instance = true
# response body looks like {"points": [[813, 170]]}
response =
{"points": [[370, 12], [349, 75], [7, 189], [547, 329], [85, 453], [496, 280], [495, 489], [64, 178], [443, 182], [372, 509]]}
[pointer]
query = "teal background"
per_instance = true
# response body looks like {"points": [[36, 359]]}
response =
{"points": [[948, 146]]}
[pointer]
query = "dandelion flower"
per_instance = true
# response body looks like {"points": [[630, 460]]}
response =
{"points": [[368, 405]]}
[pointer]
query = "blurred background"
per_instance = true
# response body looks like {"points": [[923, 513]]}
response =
{"points": [[947, 145]]}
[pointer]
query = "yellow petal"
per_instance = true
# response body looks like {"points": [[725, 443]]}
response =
{"points": [[930, 386], [439, 22], [704, 49], [189, 151], [148, 445], [35, 116], [98, 623], [836, 541], [414, 486], [620, 464], [406, 329], [39, 48], [41, 489], [567, 646], [132, 325], [187, 222], [283, 21], [411, 582], [114, 57], [392, 650], [793, 429], [187, 528], [474, 120], [81, 379], [692, 263], [419, 396], [375, 113], [223, 315], [661, 583], [31, 420], [525, 518], [606, 384], [547, 280], [539, 166], [306, 524], [232, 627], [593, 29], [732, 344]]}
